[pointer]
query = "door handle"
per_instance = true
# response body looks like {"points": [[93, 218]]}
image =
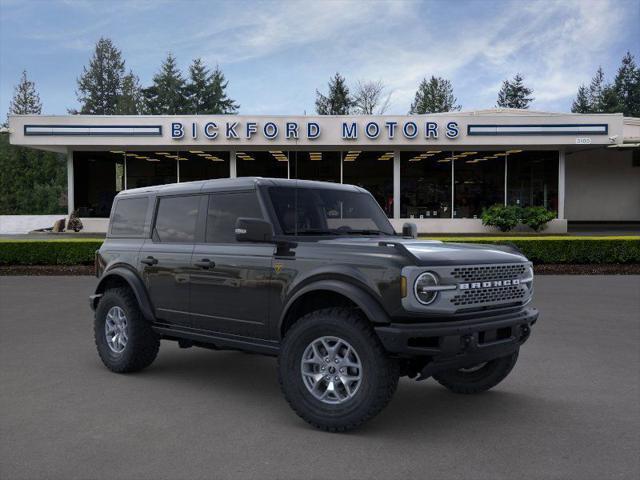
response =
{"points": [[205, 263], [149, 261]]}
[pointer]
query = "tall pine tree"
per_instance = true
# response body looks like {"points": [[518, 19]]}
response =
{"points": [[338, 100], [100, 85], [25, 99], [582, 103], [206, 92], [514, 94], [130, 101], [167, 95], [627, 86], [433, 96], [31, 181]]}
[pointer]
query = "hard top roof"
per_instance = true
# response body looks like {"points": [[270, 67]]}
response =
{"points": [[240, 183]]}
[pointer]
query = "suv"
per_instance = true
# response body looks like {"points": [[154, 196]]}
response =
{"points": [[314, 273]]}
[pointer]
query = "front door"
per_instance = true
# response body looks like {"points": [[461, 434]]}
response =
{"points": [[166, 257], [231, 281]]}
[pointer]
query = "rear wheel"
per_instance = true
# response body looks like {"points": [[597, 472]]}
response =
{"points": [[477, 378], [124, 339], [333, 370]]}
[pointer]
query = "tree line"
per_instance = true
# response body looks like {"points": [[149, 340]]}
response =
{"points": [[33, 181]]}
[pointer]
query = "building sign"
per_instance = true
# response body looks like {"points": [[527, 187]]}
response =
{"points": [[292, 130]]}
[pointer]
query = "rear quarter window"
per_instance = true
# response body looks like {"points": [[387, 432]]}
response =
{"points": [[128, 217]]}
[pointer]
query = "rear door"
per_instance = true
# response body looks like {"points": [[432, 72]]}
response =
{"points": [[230, 292], [166, 257]]}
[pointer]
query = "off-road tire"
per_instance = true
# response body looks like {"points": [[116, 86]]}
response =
{"points": [[478, 381], [379, 378], [142, 344]]}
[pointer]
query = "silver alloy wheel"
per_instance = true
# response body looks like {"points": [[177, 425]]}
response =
{"points": [[115, 329], [331, 370]]}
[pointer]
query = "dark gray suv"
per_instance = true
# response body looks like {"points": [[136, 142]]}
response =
{"points": [[314, 273]]}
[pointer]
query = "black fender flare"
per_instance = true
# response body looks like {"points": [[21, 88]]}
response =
{"points": [[364, 300], [135, 283]]}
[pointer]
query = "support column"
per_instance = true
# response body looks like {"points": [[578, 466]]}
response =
{"points": [[232, 164], [71, 204], [396, 184], [561, 177]]}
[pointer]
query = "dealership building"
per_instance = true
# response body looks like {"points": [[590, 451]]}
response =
{"points": [[439, 170]]}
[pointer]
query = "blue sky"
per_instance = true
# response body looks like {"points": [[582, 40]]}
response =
{"points": [[275, 54]]}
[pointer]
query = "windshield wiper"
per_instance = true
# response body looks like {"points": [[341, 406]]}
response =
{"points": [[364, 232]]}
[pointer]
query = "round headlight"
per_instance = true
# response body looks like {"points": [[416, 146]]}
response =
{"points": [[423, 288]]}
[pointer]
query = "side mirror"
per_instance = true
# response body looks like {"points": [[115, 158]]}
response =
{"points": [[410, 230], [253, 230]]}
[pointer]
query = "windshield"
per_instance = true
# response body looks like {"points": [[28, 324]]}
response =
{"points": [[316, 211]]}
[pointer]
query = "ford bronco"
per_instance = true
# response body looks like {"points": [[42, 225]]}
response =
{"points": [[315, 274]]}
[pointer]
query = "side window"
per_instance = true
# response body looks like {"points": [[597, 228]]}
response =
{"points": [[128, 217], [176, 219], [224, 210]]}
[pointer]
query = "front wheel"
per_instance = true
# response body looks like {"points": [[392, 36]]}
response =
{"points": [[333, 370], [477, 378]]}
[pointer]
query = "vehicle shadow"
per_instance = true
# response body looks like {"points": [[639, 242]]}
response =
{"points": [[415, 407]]}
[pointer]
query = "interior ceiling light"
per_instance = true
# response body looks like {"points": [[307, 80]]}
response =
{"points": [[131, 154], [141, 157], [181, 159], [514, 151], [500, 154], [162, 153], [434, 151], [152, 159], [444, 160], [196, 151], [116, 151]]}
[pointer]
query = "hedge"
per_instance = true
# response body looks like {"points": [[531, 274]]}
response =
{"points": [[566, 249], [48, 252], [548, 249]]}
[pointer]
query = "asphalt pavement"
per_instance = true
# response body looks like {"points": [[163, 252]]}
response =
{"points": [[570, 409]]}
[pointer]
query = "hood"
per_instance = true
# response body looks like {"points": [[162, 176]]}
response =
{"points": [[435, 252]]}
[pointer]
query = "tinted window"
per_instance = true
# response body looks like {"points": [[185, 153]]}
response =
{"points": [[128, 217], [176, 219], [314, 211], [224, 210]]}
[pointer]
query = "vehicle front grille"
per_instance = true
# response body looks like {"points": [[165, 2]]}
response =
{"points": [[480, 273], [512, 293]]}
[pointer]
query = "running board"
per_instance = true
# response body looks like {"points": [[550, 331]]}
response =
{"points": [[220, 340]]}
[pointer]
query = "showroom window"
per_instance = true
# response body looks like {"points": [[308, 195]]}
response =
{"points": [[274, 164], [318, 165], [532, 178], [372, 171], [425, 186], [98, 177], [478, 182]]}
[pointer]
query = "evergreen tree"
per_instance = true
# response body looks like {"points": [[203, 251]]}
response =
{"points": [[218, 100], [433, 96], [596, 91], [130, 101], [167, 95], [514, 94], [581, 104], [627, 86], [100, 85], [206, 92], [25, 99], [338, 101]]}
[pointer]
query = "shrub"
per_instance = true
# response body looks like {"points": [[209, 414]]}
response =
{"points": [[503, 217], [48, 252], [537, 217], [569, 250]]}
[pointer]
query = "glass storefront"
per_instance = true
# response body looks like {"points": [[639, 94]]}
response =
{"points": [[324, 166], [425, 184], [478, 182], [532, 179], [274, 164], [372, 170], [433, 183]]}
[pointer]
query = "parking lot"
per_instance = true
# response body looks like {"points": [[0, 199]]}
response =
{"points": [[570, 409]]}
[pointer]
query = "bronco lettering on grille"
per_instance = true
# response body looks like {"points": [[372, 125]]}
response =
{"points": [[494, 283]]}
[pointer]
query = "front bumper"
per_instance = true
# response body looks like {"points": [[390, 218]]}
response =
{"points": [[449, 345]]}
